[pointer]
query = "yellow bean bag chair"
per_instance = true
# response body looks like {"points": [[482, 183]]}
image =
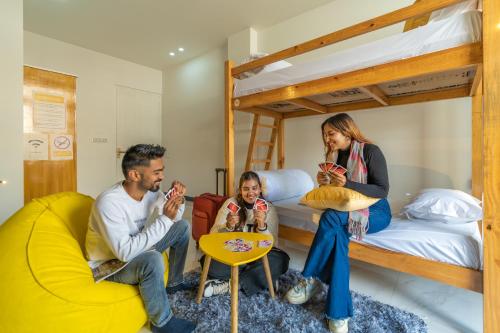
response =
{"points": [[46, 285]]}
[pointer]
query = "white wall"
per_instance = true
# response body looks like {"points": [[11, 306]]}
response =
{"points": [[193, 121], [241, 44], [11, 106], [427, 144], [97, 77]]}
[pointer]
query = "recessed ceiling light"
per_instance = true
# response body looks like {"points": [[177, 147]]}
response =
{"points": [[181, 49], [172, 54]]}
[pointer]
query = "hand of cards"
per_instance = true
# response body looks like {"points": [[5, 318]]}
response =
{"points": [[171, 193], [261, 205], [329, 167], [233, 208]]}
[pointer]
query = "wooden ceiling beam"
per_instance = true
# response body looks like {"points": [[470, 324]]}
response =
{"points": [[401, 100], [263, 112], [376, 93], [308, 104]]}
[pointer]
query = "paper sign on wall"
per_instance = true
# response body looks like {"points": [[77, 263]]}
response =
{"points": [[61, 147], [49, 112], [36, 147]]}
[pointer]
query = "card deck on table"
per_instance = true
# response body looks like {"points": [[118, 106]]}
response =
{"points": [[261, 205], [232, 207], [264, 243], [238, 245]]}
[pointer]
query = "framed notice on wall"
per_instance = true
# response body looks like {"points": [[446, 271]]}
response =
{"points": [[49, 112]]}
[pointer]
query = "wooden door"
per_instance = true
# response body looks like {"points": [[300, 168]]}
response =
{"points": [[49, 133]]}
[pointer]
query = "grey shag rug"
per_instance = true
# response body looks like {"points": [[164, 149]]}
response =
{"points": [[259, 313]]}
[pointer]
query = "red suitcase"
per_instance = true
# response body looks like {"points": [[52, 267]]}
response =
{"points": [[205, 208]]}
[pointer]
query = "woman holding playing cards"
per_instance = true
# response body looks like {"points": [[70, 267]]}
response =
{"points": [[357, 164], [247, 212]]}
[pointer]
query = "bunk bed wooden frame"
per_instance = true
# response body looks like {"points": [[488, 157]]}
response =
{"points": [[484, 90]]}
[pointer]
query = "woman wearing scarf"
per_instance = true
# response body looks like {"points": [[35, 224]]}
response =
{"points": [[328, 257]]}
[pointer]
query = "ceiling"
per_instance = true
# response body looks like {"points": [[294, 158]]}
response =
{"points": [[145, 31]]}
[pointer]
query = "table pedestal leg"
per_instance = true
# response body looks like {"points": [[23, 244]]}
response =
{"points": [[234, 299], [265, 261], [203, 278]]}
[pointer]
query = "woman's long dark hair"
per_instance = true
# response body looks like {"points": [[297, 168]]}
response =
{"points": [[247, 175], [343, 123]]}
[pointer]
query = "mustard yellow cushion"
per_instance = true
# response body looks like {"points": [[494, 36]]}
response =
{"points": [[339, 198]]}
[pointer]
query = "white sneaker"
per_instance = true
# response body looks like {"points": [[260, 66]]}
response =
{"points": [[303, 291], [338, 325], [215, 287]]}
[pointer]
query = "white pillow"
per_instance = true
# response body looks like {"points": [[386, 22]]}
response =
{"points": [[450, 11], [284, 184], [444, 205]]}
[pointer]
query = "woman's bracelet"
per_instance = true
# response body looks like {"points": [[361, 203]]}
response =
{"points": [[257, 227], [228, 227]]}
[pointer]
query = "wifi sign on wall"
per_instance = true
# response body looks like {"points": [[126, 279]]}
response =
{"points": [[36, 147]]}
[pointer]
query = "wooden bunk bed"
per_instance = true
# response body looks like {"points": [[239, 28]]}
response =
{"points": [[481, 65]]}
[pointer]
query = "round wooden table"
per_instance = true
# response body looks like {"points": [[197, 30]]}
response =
{"points": [[214, 246]]}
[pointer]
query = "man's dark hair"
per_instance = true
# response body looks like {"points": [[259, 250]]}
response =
{"points": [[140, 155]]}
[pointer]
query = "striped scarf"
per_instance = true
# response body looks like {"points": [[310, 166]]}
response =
{"points": [[357, 172]]}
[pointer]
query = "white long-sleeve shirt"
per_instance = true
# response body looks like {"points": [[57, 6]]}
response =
{"points": [[121, 227]]}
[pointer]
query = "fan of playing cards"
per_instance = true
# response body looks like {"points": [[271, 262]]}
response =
{"points": [[261, 205], [170, 193], [329, 167], [232, 207]]}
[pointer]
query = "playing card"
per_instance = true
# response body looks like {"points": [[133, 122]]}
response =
{"points": [[261, 205], [232, 207], [326, 166], [339, 169], [170, 193], [264, 243]]}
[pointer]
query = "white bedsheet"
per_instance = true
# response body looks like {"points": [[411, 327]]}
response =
{"points": [[454, 31], [453, 244]]}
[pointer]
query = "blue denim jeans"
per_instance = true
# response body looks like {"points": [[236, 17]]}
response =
{"points": [[328, 257], [147, 271]]}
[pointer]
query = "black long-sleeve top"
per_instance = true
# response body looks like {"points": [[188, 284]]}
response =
{"points": [[378, 179]]}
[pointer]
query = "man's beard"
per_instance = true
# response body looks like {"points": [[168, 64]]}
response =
{"points": [[155, 187]]}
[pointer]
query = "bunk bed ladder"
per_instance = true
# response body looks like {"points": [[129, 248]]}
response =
{"points": [[254, 143]]}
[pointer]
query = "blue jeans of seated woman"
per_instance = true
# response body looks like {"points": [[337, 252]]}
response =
{"points": [[147, 270], [328, 257]]}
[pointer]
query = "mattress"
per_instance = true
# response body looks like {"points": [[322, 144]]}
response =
{"points": [[453, 244], [457, 30]]}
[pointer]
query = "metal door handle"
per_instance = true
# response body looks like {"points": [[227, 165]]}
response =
{"points": [[119, 151]]}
